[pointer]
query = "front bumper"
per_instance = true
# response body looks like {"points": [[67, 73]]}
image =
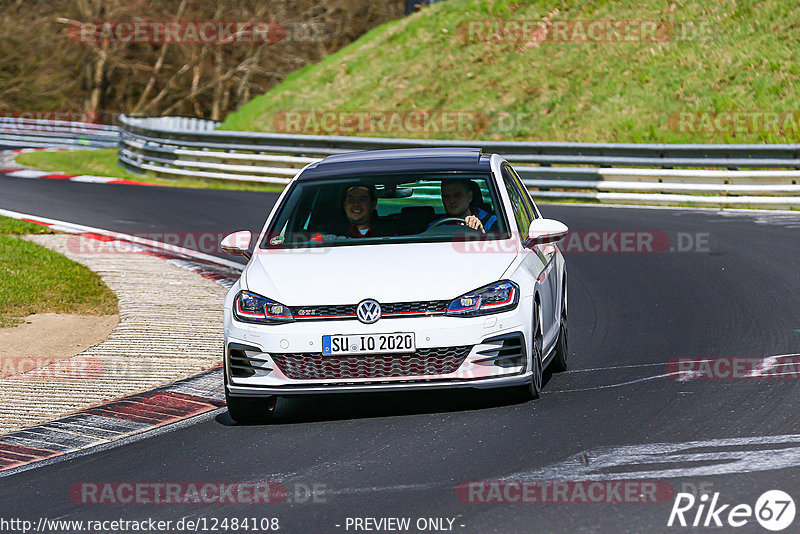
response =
{"points": [[482, 367], [261, 391]]}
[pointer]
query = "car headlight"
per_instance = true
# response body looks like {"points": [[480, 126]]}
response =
{"points": [[494, 298], [251, 308]]}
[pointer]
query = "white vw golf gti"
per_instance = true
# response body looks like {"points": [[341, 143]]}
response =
{"points": [[396, 269]]}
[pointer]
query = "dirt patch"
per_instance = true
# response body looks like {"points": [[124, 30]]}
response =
{"points": [[8, 160], [48, 337]]}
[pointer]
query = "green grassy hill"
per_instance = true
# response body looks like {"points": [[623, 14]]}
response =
{"points": [[679, 72]]}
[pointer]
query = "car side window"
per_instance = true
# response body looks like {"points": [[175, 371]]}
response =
{"points": [[526, 196], [518, 206]]}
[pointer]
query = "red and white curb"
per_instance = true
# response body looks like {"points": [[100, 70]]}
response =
{"points": [[85, 178], [135, 414], [49, 149], [114, 421], [222, 271]]}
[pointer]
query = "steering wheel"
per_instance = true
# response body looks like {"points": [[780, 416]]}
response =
{"points": [[447, 220]]}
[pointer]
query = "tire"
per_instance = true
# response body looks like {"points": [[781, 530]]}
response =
{"points": [[532, 389], [250, 410], [559, 362]]}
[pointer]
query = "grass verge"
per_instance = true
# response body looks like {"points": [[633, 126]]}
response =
{"points": [[34, 279], [103, 162], [707, 61]]}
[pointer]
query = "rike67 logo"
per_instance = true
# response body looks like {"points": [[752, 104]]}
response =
{"points": [[774, 510]]}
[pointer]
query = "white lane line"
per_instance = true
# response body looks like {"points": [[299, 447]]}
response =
{"points": [[608, 386], [768, 363], [125, 237], [732, 455], [383, 489], [660, 364], [698, 360]]}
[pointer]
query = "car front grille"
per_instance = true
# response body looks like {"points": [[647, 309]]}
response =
{"points": [[315, 366], [389, 310], [409, 308], [345, 311]]}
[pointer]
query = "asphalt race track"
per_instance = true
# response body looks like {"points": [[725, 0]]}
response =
{"points": [[620, 413], [143, 210]]}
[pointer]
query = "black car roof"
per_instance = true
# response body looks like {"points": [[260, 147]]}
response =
{"points": [[398, 161]]}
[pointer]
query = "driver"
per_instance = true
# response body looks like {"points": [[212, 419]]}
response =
{"points": [[457, 199]]}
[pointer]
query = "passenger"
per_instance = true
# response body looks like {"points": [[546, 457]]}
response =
{"points": [[359, 205], [458, 201]]}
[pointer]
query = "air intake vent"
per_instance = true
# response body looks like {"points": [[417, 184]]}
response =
{"points": [[508, 352], [243, 366]]}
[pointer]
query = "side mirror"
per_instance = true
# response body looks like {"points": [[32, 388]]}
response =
{"points": [[237, 244], [544, 231]]}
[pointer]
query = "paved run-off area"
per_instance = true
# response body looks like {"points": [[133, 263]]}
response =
{"points": [[170, 328]]}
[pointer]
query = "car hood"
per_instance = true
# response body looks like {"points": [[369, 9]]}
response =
{"points": [[386, 273]]}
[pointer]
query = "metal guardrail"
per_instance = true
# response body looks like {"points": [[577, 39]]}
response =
{"points": [[34, 133], [541, 153], [171, 146], [630, 173]]}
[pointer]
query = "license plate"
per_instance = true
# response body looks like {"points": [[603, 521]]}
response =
{"points": [[371, 344]]}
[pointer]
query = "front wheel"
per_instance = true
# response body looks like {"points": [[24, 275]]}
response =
{"points": [[251, 410], [559, 363], [532, 389]]}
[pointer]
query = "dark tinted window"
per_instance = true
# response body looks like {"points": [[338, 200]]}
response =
{"points": [[521, 210], [406, 208], [526, 196]]}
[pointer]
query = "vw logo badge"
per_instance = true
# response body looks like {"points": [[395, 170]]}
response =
{"points": [[368, 311]]}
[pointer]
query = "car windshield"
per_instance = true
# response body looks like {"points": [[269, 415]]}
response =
{"points": [[388, 209]]}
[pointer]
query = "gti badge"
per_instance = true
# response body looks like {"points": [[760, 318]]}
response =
{"points": [[368, 311]]}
